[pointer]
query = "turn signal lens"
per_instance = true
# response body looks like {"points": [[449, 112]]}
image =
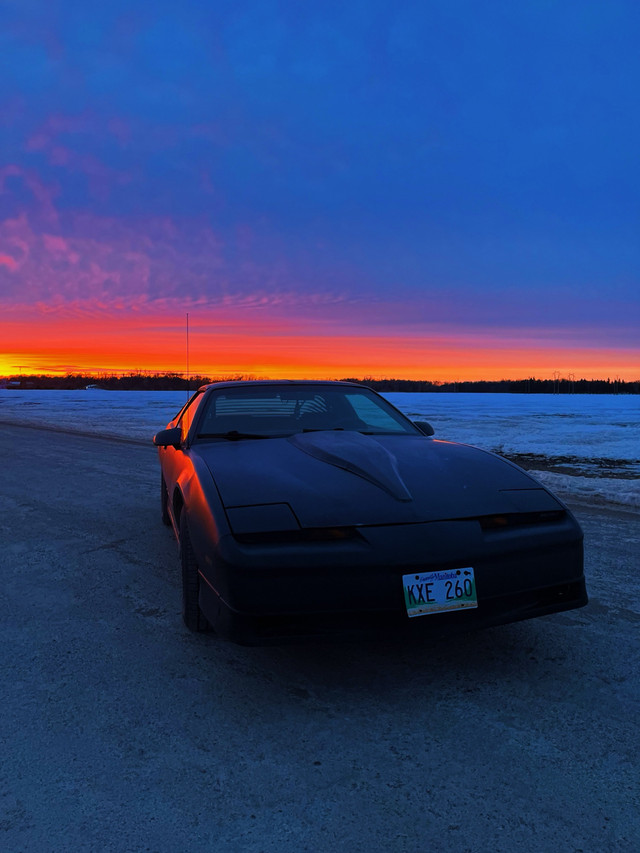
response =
{"points": [[518, 519]]}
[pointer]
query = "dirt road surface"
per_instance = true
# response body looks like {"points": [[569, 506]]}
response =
{"points": [[121, 731]]}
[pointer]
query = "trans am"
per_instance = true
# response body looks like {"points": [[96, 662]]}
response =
{"points": [[307, 508]]}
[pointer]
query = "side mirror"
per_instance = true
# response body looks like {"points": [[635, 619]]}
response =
{"points": [[168, 437], [424, 427]]}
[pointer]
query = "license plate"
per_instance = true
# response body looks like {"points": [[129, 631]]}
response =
{"points": [[438, 592]]}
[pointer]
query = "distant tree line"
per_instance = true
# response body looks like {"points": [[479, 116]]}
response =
{"points": [[507, 386], [139, 381], [114, 382]]}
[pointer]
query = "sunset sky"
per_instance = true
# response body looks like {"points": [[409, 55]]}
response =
{"points": [[438, 190]]}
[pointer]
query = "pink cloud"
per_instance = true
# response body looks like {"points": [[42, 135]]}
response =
{"points": [[59, 156], [37, 142], [16, 233], [55, 244], [105, 259], [8, 170], [43, 193], [53, 139], [56, 125], [120, 129], [8, 261]]}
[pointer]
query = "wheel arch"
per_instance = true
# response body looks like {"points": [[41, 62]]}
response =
{"points": [[177, 505]]}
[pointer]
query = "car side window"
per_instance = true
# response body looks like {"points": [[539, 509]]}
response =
{"points": [[189, 413], [372, 414]]}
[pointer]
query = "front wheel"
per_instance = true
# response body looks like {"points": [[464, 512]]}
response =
{"points": [[193, 617]]}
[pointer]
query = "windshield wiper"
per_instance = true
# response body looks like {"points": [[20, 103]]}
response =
{"points": [[323, 429], [233, 435], [382, 432]]}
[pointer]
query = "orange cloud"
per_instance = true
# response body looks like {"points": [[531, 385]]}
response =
{"points": [[232, 339]]}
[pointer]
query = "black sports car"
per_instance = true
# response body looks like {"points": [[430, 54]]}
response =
{"points": [[305, 508]]}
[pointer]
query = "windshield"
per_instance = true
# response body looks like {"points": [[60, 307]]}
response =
{"points": [[269, 410]]}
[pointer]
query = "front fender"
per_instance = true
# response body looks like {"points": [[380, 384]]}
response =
{"points": [[206, 517]]}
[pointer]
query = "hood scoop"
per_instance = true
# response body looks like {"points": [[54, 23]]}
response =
{"points": [[359, 454]]}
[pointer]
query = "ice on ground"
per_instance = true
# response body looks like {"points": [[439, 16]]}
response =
{"points": [[128, 414], [592, 442], [625, 493]]}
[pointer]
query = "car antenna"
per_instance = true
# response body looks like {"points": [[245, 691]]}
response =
{"points": [[187, 355]]}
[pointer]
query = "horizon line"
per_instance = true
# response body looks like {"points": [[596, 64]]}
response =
{"points": [[247, 377]]}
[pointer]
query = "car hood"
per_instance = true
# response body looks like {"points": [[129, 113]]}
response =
{"points": [[345, 478]]}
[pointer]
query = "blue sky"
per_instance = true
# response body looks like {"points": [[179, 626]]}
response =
{"points": [[459, 169]]}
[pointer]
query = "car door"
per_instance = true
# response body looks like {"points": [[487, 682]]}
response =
{"points": [[175, 459]]}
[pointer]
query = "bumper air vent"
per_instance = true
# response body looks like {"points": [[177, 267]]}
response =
{"points": [[293, 537]]}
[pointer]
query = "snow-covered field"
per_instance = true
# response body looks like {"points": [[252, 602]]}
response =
{"points": [[591, 442]]}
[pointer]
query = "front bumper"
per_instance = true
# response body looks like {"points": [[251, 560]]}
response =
{"points": [[271, 593]]}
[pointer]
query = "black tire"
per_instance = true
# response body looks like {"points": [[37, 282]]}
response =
{"points": [[193, 617], [164, 502]]}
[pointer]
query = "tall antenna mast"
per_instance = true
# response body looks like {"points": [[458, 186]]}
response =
{"points": [[187, 355]]}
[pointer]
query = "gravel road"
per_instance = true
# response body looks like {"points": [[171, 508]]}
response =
{"points": [[121, 731]]}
